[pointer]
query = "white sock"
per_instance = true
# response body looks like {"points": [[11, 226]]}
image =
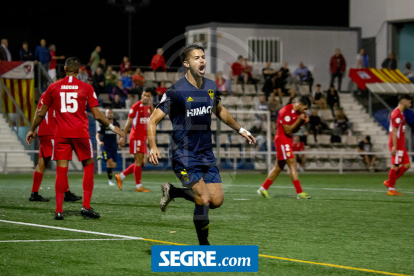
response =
{"points": [[391, 189], [262, 189], [122, 175], [138, 186]]}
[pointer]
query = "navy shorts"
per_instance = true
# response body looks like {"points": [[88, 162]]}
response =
{"points": [[190, 176], [109, 153]]}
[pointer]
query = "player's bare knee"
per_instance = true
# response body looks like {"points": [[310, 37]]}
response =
{"points": [[216, 202]]}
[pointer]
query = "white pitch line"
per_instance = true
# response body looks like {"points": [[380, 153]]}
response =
{"points": [[63, 240], [73, 230]]}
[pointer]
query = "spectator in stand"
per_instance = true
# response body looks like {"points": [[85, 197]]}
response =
{"points": [[161, 90], [125, 65], [158, 61], [318, 97], [90, 81], [127, 82], [365, 146], [362, 59], [341, 124], [332, 99], [390, 62], [95, 59], [42, 55], [110, 80], [221, 83], [298, 146], [269, 75], [102, 65], [119, 90], [408, 72], [99, 81], [83, 75], [236, 71], [281, 90], [274, 105], [315, 124], [285, 71], [130, 101], [52, 68], [337, 67], [116, 103], [25, 53], [305, 75], [4, 51], [138, 81]]}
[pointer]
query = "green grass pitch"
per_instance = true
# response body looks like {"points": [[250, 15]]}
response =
{"points": [[350, 221]]}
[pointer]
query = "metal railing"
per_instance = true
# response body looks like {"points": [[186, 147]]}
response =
{"points": [[236, 159]]}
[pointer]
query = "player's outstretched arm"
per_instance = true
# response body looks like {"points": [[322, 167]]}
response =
{"points": [[223, 114], [97, 115], [39, 116], [154, 120]]}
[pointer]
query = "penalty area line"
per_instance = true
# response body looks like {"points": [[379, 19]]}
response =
{"points": [[172, 243]]}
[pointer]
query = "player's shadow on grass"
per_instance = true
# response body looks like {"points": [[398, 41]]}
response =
{"points": [[71, 213], [132, 205]]}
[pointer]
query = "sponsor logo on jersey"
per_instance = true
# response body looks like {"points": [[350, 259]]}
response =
{"points": [[68, 87], [143, 120], [190, 99], [199, 111], [211, 93], [185, 175]]}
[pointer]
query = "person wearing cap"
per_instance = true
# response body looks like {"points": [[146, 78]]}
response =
{"points": [[82, 75]]}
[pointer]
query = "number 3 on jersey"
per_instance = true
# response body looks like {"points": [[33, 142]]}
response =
{"points": [[68, 102]]}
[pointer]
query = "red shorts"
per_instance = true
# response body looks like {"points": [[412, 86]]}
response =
{"points": [[283, 147], [137, 146], [46, 146], [63, 147], [400, 158]]}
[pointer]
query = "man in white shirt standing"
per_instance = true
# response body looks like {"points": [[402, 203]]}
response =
{"points": [[5, 45]]}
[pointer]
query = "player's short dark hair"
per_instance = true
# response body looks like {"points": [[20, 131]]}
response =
{"points": [[404, 97], [368, 138], [72, 64], [304, 100], [318, 85], [239, 57], [148, 89], [187, 49]]}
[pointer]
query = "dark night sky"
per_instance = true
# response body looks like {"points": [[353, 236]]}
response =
{"points": [[77, 26]]}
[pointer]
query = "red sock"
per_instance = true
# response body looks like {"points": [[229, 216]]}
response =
{"points": [[400, 172], [37, 180], [137, 174], [267, 183], [88, 172], [392, 176], [61, 181], [129, 170], [298, 188]]}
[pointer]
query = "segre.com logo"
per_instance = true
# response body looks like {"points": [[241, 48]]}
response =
{"points": [[215, 258]]}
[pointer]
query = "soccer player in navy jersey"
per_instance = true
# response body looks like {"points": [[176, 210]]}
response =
{"points": [[189, 102]]}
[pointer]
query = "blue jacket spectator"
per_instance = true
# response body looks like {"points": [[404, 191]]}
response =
{"points": [[42, 53]]}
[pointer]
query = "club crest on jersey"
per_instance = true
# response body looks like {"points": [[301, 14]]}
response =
{"points": [[190, 99], [199, 111], [185, 175], [288, 154], [211, 93]]}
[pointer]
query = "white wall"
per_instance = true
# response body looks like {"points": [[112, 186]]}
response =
{"points": [[372, 17], [207, 50], [313, 47]]}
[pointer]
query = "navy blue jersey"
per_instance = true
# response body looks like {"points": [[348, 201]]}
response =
{"points": [[189, 110], [107, 136]]}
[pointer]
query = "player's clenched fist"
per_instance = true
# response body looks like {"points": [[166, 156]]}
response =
{"points": [[30, 137], [154, 155]]}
